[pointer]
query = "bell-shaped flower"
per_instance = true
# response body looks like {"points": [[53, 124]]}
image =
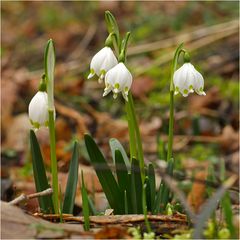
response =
{"points": [[102, 61], [118, 79], [187, 80], [38, 110]]}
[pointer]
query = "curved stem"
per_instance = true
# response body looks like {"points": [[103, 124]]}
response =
{"points": [[178, 51]]}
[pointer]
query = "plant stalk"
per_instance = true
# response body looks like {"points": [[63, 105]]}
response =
{"points": [[134, 123]]}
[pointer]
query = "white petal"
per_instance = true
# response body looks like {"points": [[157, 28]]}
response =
{"points": [[103, 60], [38, 109]]}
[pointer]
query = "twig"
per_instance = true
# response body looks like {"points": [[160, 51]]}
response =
{"points": [[184, 37], [24, 197], [191, 46]]}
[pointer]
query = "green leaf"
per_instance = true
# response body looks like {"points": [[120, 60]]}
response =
{"points": [[165, 198], [105, 176], [49, 64], [227, 209], [85, 206], [121, 170], [163, 194], [71, 187], [151, 186], [136, 186], [92, 208], [39, 173], [116, 145], [112, 26]]}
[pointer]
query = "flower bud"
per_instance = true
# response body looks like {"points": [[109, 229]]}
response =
{"points": [[38, 110], [102, 61], [187, 80], [118, 79]]}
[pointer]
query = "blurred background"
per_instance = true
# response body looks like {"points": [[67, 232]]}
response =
{"points": [[206, 128]]}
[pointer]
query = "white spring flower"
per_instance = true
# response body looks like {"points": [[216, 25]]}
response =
{"points": [[187, 80], [38, 110], [117, 80], [101, 62]]}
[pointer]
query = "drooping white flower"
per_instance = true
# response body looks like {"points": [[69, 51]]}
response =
{"points": [[118, 79], [38, 110], [102, 61], [187, 80]]}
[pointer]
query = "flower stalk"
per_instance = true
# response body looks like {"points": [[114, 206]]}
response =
{"points": [[178, 51]]}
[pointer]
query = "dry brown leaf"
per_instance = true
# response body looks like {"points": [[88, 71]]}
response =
{"points": [[199, 104], [229, 139], [113, 232], [197, 195], [141, 86], [17, 134]]}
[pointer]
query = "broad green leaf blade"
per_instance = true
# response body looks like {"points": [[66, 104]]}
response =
{"points": [[72, 181], [157, 203], [121, 170], [39, 173], [151, 187], [227, 209], [165, 197], [105, 176], [136, 186], [85, 206], [116, 145]]}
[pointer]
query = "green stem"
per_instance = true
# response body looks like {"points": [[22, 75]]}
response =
{"points": [[53, 160], [134, 123], [132, 139], [171, 116]]}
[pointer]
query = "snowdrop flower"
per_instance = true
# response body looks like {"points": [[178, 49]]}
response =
{"points": [[117, 80], [187, 80], [38, 110], [102, 61]]}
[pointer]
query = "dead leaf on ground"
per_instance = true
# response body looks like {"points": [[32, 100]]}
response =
{"points": [[141, 86], [197, 195]]}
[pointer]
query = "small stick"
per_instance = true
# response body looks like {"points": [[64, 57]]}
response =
{"points": [[24, 197]]}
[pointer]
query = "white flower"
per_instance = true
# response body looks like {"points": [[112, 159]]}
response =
{"points": [[187, 80], [38, 110], [118, 79], [102, 61]]}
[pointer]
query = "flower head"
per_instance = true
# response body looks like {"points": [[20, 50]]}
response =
{"points": [[118, 79], [102, 61], [38, 110], [187, 80]]}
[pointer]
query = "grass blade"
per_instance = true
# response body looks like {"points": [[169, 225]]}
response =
{"points": [[85, 206], [72, 181], [116, 145], [39, 172], [105, 176]]}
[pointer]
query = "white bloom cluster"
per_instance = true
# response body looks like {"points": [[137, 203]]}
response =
{"points": [[117, 77], [187, 80]]}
